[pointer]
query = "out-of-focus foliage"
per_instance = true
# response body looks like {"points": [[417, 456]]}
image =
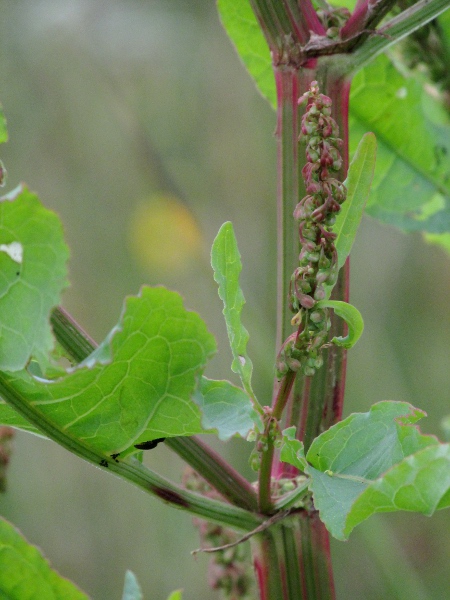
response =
{"points": [[164, 236], [110, 105], [26, 573]]}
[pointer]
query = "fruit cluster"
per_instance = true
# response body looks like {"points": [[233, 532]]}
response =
{"points": [[315, 214]]}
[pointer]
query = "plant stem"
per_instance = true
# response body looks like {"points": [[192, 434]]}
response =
{"points": [[70, 335], [283, 552], [286, 79], [215, 470], [286, 560], [132, 470], [265, 479], [406, 22], [210, 465], [366, 16], [283, 19], [292, 498]]}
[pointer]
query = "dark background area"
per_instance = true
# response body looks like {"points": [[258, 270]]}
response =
{"points": [[135, 121]]}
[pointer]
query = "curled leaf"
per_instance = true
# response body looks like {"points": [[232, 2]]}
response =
{"points": [[351, 316]]}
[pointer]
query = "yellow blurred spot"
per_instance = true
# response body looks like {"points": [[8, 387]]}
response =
{"points": [[164, 235]]}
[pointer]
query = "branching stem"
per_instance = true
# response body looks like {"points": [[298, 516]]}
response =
{"points": [[134, 471]]}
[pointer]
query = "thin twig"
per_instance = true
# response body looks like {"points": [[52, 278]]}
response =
{"points": [[275, 519], [366, 18]]}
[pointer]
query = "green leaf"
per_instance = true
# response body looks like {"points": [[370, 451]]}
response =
{"points": [[411, 186], [351, 316], [376, 462], [26, 574], [243, 29], [33, 259], [144, 392], [132, 589], [226, 262], [292, 450], [420, 483], [226, 408], [176, 595], [3, 130], [358, 182], [11, 418]]}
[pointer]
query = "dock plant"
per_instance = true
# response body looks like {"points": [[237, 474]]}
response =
{"points": [[316, 474]]}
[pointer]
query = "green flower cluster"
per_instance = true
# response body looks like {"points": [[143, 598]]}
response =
{"points": [[315, 214]]}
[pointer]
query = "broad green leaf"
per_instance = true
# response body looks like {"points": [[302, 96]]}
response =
{"points": [[226, 262], [132, 589], [356, 457], [144, 392], [33, 259], [141, 383], [420, 483], [411, 186], [358, 182], [25, 574], [351, 316], [292, 450], [226, 408], [241, 25], [3, 130]]}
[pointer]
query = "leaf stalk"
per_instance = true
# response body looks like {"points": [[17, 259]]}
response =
{"points": [[132, 470]]}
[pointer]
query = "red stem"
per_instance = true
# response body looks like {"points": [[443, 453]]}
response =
{"points": [[357, 20]]}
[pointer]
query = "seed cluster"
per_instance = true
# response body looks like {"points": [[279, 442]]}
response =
{"points": [[230, 570], [315, 214]]}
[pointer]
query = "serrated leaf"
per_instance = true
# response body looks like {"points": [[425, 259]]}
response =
{"points": [[241, 25], [358, 182], [226, 408], [226, 262], [351, 316], [25, 573], [31, 239], [358, 454], [144, 392], [132, 589], [292, 450]]}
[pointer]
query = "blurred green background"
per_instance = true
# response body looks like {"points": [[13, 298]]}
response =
{"points": [[135, 121]]}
